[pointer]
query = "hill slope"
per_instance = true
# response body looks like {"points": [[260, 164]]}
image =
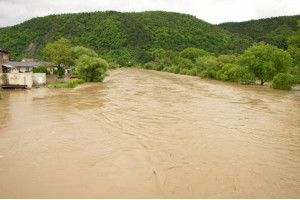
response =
{"points": [[135, 34], [273, 30]]}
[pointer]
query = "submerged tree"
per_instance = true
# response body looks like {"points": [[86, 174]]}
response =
{"points": [[265, 61], [91, 69]]}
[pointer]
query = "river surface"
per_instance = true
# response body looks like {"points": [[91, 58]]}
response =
{"points": [[148, 134]]}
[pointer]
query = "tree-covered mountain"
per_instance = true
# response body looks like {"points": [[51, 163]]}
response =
{"points": [[133, 35], [275, 30], [140, 37]]}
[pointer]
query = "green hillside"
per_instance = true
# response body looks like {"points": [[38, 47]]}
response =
{"points": [[135, 35], [273, 30], [139, 36]]}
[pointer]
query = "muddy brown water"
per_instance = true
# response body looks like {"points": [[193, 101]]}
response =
{"points": [[147, 134]]}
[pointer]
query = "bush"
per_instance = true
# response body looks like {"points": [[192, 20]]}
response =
{"points": [[74, 73], [40, 70], [283, 81], [113, 65], [80, 81], [235, 73], [61, 72], [190, 72], [150, 65], [73, 84]]}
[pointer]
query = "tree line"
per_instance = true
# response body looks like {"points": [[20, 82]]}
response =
{"points": [[261, 61]]}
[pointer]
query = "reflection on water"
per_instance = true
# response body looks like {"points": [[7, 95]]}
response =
{"points": [[147, 134]]}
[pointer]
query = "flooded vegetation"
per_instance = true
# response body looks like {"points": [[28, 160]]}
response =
{"points": [[149, 134]]}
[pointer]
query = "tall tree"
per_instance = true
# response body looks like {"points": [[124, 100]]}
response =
{"points": [[265, 61], [91, 69], [59, 52]]}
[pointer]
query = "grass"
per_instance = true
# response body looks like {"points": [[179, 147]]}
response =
{"points": [[53, 85]]}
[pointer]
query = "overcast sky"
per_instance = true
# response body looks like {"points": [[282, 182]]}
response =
{"points": [[213, 11]]}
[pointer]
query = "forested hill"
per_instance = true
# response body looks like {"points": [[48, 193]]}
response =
{"points": [[140, 37], [116, 34], [273, 30]]}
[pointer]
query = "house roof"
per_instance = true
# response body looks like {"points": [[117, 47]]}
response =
{"points": [[4, 50], [26, 64], [7, 66]]}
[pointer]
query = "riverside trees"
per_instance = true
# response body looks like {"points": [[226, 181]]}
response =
{"points": [[265, 61], [90, 67]]}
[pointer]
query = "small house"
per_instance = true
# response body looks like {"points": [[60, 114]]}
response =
{"points": [[23, 67]]}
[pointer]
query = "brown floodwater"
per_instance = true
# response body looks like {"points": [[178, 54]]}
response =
{"points": [[148, 134]]}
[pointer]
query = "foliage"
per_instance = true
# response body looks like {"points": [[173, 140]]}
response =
{"points": [[59, 52], [80, 81], [274, 31], [207, 66], [79, 51], [113, 65], [121, 37], [58, 85], [91, 69], [193, 53], [294, 46], [283, 81], [41, 70], [150, 65], [61, 72], [235, 73], [265, 61], [74, 73], [73, 83]]}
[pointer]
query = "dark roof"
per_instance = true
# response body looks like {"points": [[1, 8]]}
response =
{"points": [[26, 64], [2, 49]]}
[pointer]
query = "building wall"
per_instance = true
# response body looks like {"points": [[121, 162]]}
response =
{"points": [[24, 69], [17, 79], [3, 59], [39, 79]]}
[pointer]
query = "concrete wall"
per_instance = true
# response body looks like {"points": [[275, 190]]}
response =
{"points": [[39, 79], [17, 79]]}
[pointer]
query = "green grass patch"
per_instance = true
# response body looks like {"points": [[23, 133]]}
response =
{"points": [[58, 85]]}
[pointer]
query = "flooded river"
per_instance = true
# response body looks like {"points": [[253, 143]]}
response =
{"points": [[148, 134]]}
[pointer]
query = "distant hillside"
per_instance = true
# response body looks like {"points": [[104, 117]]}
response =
{"points": [[274, 30], [115, 33]]}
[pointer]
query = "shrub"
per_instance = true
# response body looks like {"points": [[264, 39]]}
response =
{"points": [[283, 81], [183, 71], [74, 73], [235, 73], [150, 65], [61, 72], [80, 81], [41, 70], [73, 84], [113, 65]]}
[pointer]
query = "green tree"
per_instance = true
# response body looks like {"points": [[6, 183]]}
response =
{"points": [[80, 51], [91, 69], [294, 46], [194, 53], [236, 73], [59, 52], [265, 61], [283, 81]]}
